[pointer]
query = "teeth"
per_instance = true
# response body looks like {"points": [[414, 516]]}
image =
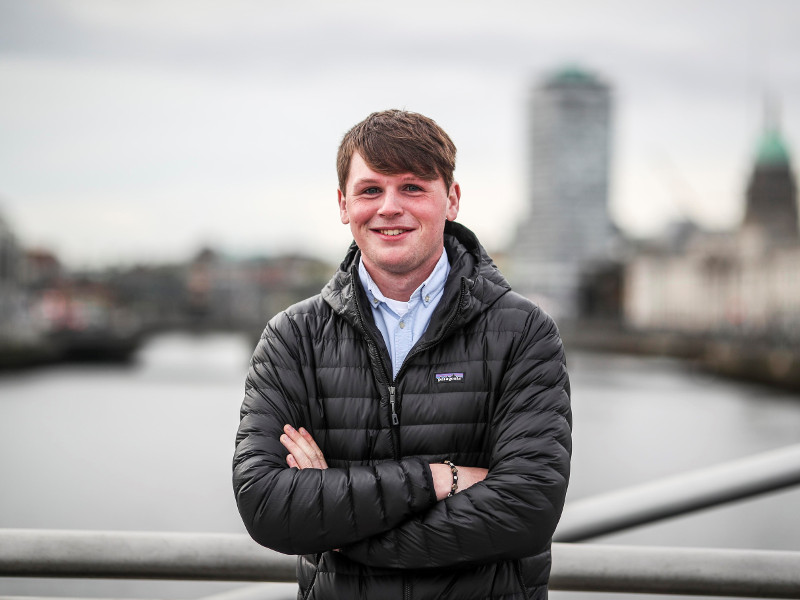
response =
{"points": [[391, 231]]}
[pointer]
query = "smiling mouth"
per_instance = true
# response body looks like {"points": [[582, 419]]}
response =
{"points": [[392, 232]]}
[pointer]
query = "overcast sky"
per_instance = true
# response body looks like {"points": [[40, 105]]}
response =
{"points": [[139, 131]]}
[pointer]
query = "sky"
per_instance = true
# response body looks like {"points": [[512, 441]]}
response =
{"points": [[139, 132]]}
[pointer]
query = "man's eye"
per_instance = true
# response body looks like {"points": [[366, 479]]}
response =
{"points": [[372, 190], [413, 188]]}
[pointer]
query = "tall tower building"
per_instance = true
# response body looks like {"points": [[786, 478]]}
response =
{"points": [[772, 192], [567, 227]]}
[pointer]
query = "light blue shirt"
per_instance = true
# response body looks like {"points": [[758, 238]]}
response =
{"points": [[402, 323]]}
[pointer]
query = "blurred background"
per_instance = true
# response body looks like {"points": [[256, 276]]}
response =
{"points": [[167, 184]]}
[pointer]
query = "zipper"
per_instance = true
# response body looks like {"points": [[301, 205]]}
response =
{"points": [[373, 347], [406, 588], [395, 420], [368, 335]]}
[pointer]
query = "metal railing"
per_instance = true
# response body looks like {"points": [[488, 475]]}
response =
{"points": [[227, 557], [679, 495], [576, 567]]}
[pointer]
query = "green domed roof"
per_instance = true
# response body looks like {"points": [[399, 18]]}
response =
{"points": [[572, 73], [772, 149]]}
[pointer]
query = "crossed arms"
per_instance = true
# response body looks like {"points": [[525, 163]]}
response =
{"points": [[392, 514], [304, 453]]}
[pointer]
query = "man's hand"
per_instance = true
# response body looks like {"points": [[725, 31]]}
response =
{"points": [[443, 478], [303, 450]]}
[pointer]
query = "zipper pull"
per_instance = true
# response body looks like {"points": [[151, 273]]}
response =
{"points": [[395, 420]]}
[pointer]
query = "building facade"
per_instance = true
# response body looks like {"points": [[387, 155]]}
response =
{"points": [[567, 228], [743, 283]]}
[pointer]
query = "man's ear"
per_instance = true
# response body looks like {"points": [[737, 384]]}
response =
{"points": [[453, 201], [343, 207]]}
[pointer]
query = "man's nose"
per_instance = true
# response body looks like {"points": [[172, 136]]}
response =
{"points": [[392, 204]]}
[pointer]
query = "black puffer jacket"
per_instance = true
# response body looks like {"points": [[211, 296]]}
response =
{"points": [[322, 364]]}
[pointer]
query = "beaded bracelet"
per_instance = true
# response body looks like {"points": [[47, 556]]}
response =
{"points": [[454, 470]]}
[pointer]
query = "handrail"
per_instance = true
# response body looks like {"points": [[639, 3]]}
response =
{"points": [[140, 555], [679, 571], [230, 557], [678, 495]]}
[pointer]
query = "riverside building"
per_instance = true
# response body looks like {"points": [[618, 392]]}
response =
{"points": [[743, 283], [567, 229]]}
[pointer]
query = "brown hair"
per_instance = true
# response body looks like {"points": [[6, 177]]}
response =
{"points": [[398, 141]]}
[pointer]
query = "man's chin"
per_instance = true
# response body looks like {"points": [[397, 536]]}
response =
{"points": [[395, 263], [397, 267]]}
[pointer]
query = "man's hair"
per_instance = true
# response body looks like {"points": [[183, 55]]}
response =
{"points": [[398, 141]]}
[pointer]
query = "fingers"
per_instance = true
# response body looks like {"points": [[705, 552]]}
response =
{"points": [[303, 450], [319, 457]]}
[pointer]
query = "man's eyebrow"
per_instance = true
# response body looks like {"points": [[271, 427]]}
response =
{"points": [[405, 177], [365, 181]]}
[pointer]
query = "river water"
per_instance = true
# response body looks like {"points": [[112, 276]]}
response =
{"points": [[148, 447]]}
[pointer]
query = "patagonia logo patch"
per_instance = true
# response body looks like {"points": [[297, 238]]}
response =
{"points": [[442, 377]]}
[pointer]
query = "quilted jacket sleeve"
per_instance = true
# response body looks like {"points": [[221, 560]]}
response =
{"points": [[310, 510], [514, 511]]}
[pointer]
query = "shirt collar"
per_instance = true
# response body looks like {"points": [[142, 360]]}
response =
{"points": [[426, 292]]}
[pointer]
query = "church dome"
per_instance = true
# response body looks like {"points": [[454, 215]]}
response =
{"points": [[772, 150]]}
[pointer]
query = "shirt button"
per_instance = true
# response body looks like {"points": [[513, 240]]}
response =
{"points": [[375, 300], [427, 299], [402, 324]]}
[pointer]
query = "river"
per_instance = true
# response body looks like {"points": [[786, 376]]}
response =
{"points": [[148, 447]]}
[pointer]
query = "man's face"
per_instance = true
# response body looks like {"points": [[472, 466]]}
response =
{"points": [[397, 220]]}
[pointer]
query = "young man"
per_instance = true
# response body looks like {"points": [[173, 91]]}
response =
{"points": [[407, 431]]}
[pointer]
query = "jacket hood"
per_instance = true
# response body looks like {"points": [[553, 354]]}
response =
{"points": [[474, 283]]}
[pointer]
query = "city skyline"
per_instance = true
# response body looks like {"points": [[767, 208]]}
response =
{"points": [[141, 132]]}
